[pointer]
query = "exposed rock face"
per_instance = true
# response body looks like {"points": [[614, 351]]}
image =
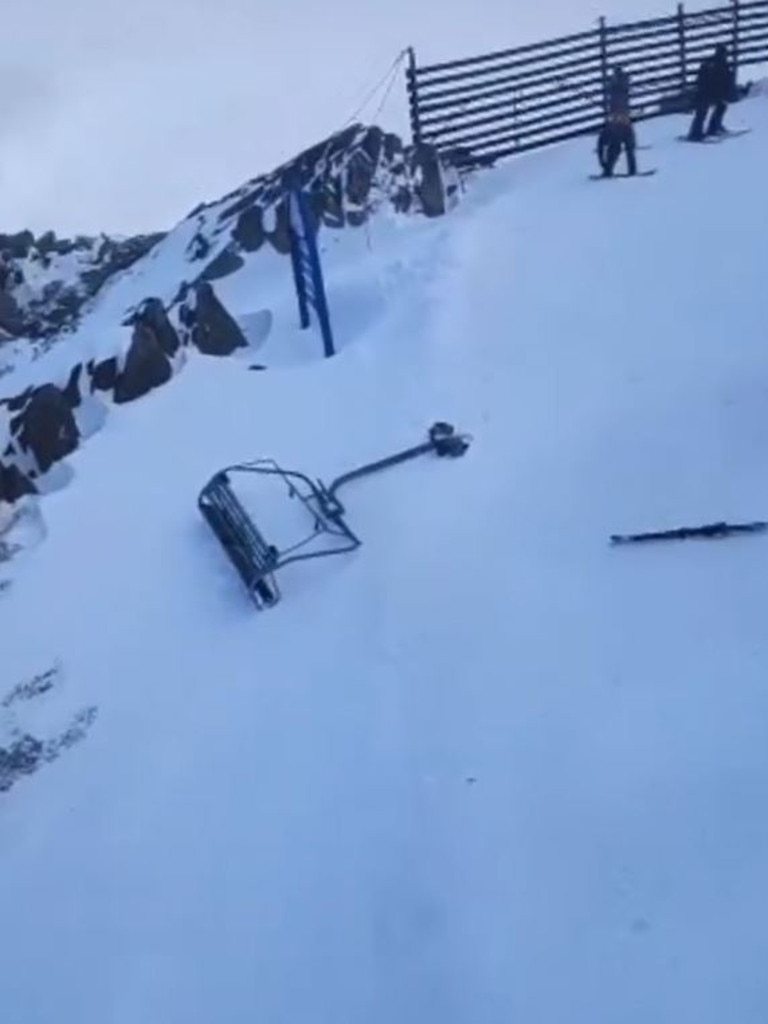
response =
{"points": [[45, 427], [103, 375], [67, 274], [146, 365], [11, 317], [210, 327], [346, 178], [248, 231], [14, 484], [153, 318], [72, 392], [229, 261]]}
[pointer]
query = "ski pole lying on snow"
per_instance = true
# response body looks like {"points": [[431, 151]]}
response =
{"points": [[715, 530]]}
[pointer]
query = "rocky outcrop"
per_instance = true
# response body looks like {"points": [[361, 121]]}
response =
{"points": [[152, 318], [103, 375], [43, 421], [45, 427], [14, 484], [67, 273], [347, 179], [146, 366], [248, 231], [72, 392], [11, 317], [209, 327], [229, 261]]}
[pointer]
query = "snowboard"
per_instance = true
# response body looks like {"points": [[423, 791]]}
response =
{"points": [[707, 141], [623, 174]]}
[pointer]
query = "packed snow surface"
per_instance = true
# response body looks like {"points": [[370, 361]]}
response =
{"points": [[488, 768]]}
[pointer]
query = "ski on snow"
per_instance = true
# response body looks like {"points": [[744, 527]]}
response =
{"points": [[711, 530]]}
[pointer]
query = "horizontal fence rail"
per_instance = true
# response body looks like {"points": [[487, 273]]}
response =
{"points": [[498, 104]]}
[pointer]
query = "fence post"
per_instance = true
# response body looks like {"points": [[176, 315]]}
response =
{"points": [[736, 12], [603, 33], [413, 97], [681, 40]]}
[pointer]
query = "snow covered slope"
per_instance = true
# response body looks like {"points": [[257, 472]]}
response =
{"points": [[73, 296], [487, 769]]}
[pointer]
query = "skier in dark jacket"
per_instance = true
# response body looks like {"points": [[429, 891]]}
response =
{"points": [[618, 132], [714, 88], [617, 92]]}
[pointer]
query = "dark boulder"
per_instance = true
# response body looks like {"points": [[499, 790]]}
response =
{"points": [[46, 427], [249, 230], [214, 331], [244, 200], [14, 484], [429, 188], [393, 148], [72, 387], [11, 318], [146, 366], [17, 245], [46, 242], [361, 168], [18, 402], [153, 317], [280, 238], [228, 261], [103, 375], [199, 247], [330, 205]]}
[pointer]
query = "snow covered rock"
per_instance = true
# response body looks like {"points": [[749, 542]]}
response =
{"points": [[229, 261], [45, 428], [14, 484], [146, 365], [46, 283], [153, 318], [208, 324], [72, 389], [103, 375], [347, 178], [11, 317]]}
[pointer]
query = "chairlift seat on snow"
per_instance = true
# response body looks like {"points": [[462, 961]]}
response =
{"points": [[253, 556]]}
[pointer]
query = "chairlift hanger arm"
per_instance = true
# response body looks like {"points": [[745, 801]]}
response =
{"points": [[443, 440]]}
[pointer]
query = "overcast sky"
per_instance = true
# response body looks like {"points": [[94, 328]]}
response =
{"points": [[122, 115]]}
